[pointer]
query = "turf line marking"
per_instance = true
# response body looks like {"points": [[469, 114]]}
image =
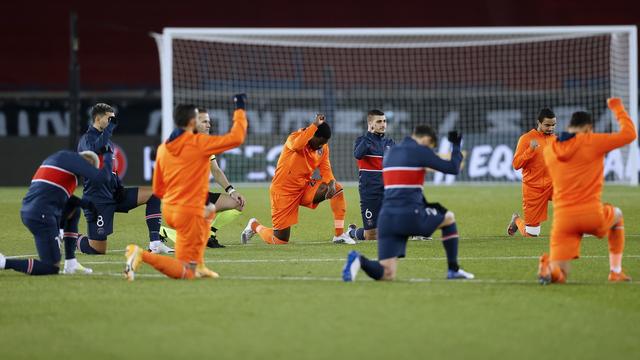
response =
{"points": [[256, 261], [339, 280]]}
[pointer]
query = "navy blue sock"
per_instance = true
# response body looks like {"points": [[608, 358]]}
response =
{"points": [[371, 268], [153, 217], [450, 243], [357, 234], [84, 247], [31, 267], [70, 238]]}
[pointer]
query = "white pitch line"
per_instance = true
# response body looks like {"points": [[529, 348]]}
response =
{"points": [[339, 280], [307, 260]]}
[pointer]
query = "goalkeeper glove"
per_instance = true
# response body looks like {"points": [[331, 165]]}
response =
{"points": [[454, 138], [239, 100]]}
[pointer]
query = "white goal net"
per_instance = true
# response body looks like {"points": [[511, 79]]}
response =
{"points": [[488, 83]]}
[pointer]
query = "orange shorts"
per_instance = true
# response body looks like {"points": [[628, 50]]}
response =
{"points": [[535, 204], [568, 228], [192, 233], [284, 206]]}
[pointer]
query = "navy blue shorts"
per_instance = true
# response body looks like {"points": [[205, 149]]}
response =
{"points": [[103, 226], [46, 232], [370, 209], [396, 225]]}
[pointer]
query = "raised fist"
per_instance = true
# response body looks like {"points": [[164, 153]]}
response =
{"points": [[454, 137], [320, 118], [239, 100], [615, 104]]}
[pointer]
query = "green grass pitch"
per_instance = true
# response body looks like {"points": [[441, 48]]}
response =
{"points": [[287, 302]]}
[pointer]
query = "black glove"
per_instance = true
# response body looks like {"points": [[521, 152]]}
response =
{"points": [[438, 207], [118, 194], [239, 100], [92, 210], [454, 137], [106, 149]]}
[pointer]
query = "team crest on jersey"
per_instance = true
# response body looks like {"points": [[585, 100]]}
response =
{"points": [[320, 151]]}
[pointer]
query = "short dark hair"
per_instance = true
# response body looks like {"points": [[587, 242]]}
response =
{"points": [[324, 131], [545, 113], [425, 130], [183, 113], [100, 109], [374, 112], [202, 110], [581, 118]]}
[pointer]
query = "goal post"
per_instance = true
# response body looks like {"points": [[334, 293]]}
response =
{"points": [[487, 82]]}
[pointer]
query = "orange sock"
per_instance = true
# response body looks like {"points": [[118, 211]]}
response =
{"points": [[616, 245], [557, 275], [171, 267], [266, 234], [521, 227], [339, 208]]}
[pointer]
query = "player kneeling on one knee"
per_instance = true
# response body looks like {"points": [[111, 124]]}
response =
{"points": [[405, 211]]}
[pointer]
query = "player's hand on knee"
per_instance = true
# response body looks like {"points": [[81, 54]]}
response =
{"points": [[239, 199], [331, 189]]}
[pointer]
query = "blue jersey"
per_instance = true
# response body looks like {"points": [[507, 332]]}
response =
{"points": [[369, 150], [404, 170], [96, 141], [57, 178]]}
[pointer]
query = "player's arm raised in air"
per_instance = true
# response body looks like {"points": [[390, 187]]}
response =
{"points": [[98, 144], [91, 172], [433, 161], [361, 147], [524, 152], [298, 140], [213, 144], [627, 133]]}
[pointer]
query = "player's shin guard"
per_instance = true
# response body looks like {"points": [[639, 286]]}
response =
{"points": [[84, 246], [171, 267], [339, 209], [153, 218], [70, 236], [223, 218], [450, 244], [372, 268], [266, 234], [31, 267], [616, 246]]}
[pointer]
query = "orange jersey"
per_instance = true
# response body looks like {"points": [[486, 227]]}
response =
{"points": [[181, 175], [298, 161], [534, 170], [576, 165]]}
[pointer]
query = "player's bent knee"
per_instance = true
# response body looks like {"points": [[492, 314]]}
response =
{"points": [[371, 234], [449, 218], [100, 246]]}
